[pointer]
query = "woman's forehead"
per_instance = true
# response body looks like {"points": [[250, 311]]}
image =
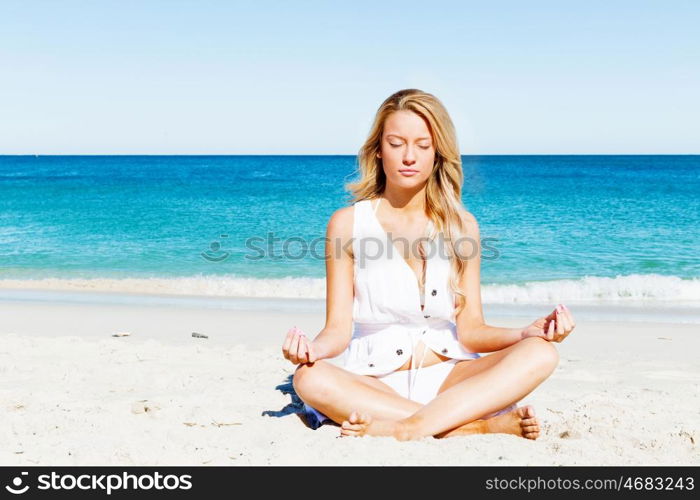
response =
{"points": [[406, 124]]}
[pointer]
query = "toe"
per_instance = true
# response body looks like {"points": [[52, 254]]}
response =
{"points": [[365, 419], [530, 429], [362, 418], [351, 427], [527, 412]]}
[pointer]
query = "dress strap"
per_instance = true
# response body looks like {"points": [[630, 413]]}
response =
{"points": [[377, 205]]}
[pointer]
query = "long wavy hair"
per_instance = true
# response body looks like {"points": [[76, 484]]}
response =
{"points": [[443, 194]]}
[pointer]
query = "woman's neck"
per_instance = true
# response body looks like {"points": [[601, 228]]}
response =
{"points": [[406, 201]]}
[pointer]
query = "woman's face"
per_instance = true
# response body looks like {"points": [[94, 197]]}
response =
{"points": [[407, 149]]}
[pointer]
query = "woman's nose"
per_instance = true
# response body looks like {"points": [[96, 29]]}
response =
{"points": [[409, 157]]}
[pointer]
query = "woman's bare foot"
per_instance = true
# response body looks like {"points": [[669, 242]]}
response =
{"points": [[361, 424], [519, 422]]}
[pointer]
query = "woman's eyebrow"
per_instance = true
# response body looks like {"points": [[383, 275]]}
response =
{"points": [[419, 139]]}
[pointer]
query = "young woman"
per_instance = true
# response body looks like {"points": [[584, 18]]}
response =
{"points": [[409, 319]]}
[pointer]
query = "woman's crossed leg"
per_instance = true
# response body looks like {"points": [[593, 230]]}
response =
{"points": [[365, 405]]}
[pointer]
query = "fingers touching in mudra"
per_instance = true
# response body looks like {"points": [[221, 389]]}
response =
{"points": [[555, 327], [297, 348]]}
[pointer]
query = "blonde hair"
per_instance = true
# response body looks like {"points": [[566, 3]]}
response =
{"points": [[443, 194]]}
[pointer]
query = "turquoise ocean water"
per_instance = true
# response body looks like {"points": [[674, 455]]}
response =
{"points": [[608, 229]]}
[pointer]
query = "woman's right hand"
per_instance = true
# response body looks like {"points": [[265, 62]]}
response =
{"points": [[297, 348]]}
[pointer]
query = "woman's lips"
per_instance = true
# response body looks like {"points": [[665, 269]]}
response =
{"points": [[408, 172]]}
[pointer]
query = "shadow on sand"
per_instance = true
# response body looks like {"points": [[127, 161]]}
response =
{"points": [[296, 407]]}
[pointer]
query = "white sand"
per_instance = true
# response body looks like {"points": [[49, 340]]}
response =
{"points": [[624, 393]]}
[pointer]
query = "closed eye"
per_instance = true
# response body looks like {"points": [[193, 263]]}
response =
{"points": [[399, 145]]}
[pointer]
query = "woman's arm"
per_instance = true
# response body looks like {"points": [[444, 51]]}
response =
{"points": [[336, 334], [473, 332]]}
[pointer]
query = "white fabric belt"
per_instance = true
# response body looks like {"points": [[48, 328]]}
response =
{"points": [[364, 329]]}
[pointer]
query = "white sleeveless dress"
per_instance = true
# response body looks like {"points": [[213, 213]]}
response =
{"points": [[387, 318]]}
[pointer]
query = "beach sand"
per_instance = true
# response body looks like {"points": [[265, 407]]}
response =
{"points": [[70, 393]]}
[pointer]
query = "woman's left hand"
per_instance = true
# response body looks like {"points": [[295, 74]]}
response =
{"points": [[555, 327]]}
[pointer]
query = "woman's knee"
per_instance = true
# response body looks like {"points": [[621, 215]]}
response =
{"points": [[542, 352], [308, 378]]}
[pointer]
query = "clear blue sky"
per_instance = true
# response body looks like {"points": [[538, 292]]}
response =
{"points": [[177, 77]]}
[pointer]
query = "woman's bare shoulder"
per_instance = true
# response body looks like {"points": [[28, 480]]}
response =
{"points": [[469, 221], [340, 228], [341, 222]]}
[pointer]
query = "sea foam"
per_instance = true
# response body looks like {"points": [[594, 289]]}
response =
{"points": [[647, 288]]}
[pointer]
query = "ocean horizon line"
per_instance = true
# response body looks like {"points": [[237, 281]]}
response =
{"points": [[249, 155]]}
